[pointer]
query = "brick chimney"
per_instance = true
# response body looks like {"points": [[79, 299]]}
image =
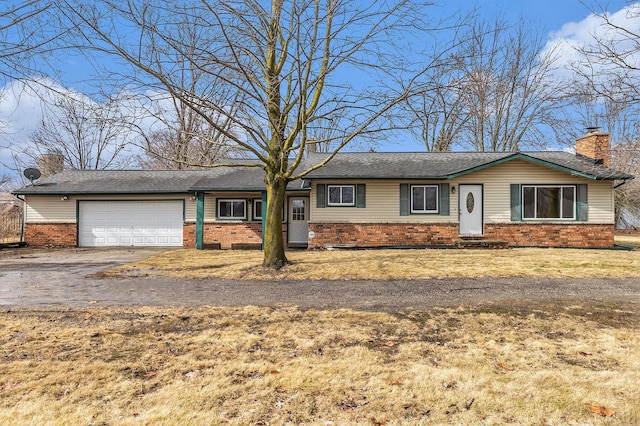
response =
{"points": [[595, 145], [51, 163], [310, 146]]}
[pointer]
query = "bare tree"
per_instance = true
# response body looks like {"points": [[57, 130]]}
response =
{"points": [[184, 138], [89, 135], [21, 39], [5, 180], [612, 59], [494, 90], [608, 92], [511, 95], [292, 63], [437, 115]]}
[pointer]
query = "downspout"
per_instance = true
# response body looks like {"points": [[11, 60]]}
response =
{"points": [[24, 206], [199, 220], [264, 215]]}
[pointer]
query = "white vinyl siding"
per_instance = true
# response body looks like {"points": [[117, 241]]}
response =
{"points": [[383, 206], [497, 182], [51, 209], [383, 196], [211, 201]]}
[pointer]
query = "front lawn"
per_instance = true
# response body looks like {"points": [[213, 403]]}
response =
{"points": [[572, 365], [391, 264]]}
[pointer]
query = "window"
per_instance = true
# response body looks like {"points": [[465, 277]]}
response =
{"points": [[341, 195], [297, 210], [232, 209], [424, 198], [257, 209], [548, 202]]}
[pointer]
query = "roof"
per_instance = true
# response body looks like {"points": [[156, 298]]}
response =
{"points": [[448, 165], [348, 165], [116, 182], [69, 182], [238, 179]]}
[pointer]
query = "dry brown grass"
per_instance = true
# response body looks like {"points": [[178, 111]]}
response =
{"points": [[202, 366], [391, 264], [631, 239]]}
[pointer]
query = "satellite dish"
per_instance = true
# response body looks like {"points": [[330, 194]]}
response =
{"points": [[32, 174]]}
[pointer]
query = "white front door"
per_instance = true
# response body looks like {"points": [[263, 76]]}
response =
{"points": [[470, 208], [298, 220]]}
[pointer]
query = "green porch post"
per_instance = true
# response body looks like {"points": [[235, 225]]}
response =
{"points": [[264, 215], [199, 219]]}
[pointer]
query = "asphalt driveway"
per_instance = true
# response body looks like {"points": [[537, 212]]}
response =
{"points": [[63, 278]]}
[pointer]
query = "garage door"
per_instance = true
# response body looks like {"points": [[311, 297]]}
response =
{"points": [[130, 223]]}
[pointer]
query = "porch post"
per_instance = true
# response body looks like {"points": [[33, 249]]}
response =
{"points": [[199, 219], [264, 215]]}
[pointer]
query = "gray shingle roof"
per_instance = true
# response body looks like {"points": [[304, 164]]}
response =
{"points": [[151, 181], [116, 182], [348, 165], [446, 165]]}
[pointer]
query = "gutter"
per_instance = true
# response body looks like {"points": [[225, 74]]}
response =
{"points": [[624, 182]]}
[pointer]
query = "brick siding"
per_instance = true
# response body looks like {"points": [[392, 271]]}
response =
{"points": [[230, 233], [226, 234], [50, 234], [189, 235], [516, 234], [582, 235], [382, 234]]}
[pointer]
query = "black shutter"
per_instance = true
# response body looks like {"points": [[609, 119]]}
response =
{"points": [[515, 202], [444, 199], [404, 199], [321, 196], [582, 199], [361, 198]]}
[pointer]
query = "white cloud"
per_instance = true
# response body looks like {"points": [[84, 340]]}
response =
{"points": [[566, 43], [23, 106]]}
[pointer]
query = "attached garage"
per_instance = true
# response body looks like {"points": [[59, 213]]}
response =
{"points": [[130, 223]]}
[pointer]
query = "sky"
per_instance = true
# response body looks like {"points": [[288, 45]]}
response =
{"points": [[560, 20]]}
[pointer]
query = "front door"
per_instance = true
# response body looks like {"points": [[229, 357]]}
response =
{"points": [[298, 220], [470, 208]]}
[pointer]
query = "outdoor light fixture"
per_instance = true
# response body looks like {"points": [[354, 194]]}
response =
{"points": [[453, 189], [64, 198]]}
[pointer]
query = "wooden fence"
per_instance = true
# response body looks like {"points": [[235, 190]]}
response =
{"points": [[10, 226]]}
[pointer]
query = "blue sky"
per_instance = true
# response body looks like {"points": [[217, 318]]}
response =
{"points": [[551, 15], [558, 20]]}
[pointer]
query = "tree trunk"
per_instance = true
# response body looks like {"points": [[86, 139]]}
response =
{"points": [[273, 241]]}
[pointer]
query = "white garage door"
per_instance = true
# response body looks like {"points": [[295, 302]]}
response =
{"points": [[130, 223]]}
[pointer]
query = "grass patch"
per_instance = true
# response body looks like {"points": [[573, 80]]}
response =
{"points": [[628, 239], [391, 264], [488, 365]]}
